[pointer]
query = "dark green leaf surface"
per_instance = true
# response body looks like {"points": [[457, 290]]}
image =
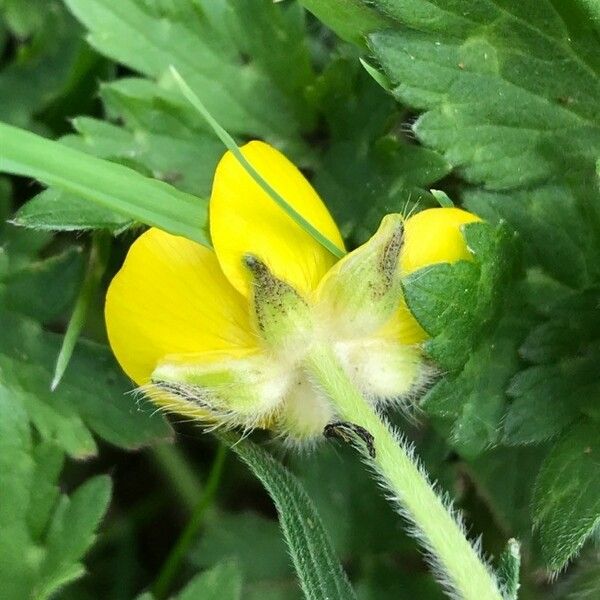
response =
{"points": [[42, 289], [458, 305], [566, 503], [51, 62], [368, 168], [511, 90], [559, 227], [93, 396], [150, 37], [352, 20]]}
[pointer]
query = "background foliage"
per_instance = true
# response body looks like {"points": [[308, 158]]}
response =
{"points": [[495, 102]]}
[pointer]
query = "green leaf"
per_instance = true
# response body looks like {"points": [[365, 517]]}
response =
{"points": [[455, 60], [563, 381], [93, 396], [352, 20], [358, 517], [24, 19], [459, 306], [223, 582], [44, 534], [509, 569], [566, 502], [55, 210], [558, 227], [71, 533], [149, 37], [318, 569], [253, 541], [454, 302], [41, 289], [505, 477], [50, 60], [388, 174], [160, 132], [107, 184], [469, 404]]}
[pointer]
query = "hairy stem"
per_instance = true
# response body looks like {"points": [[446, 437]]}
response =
{"points": [[458, 564]]}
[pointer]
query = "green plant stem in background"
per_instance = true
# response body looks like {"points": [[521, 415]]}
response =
{"points": [[459, 566], [188, 535], [180, 475], [231, 145], [97, 260]]}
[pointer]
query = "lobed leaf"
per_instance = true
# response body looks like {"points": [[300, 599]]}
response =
{"points": [[93, 396], [459, 306], [566, 501], [510, 90], [44, 534], [149, 38]]}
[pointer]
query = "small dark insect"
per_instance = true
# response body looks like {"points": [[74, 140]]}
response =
{"points": [[349, 432]]}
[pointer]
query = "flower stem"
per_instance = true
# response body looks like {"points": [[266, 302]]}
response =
{"points": [[188, 535], [458, 564]]}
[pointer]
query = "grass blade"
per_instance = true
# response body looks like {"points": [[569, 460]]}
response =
{"points": [[231, 145], [105, 183], [95, 269]]}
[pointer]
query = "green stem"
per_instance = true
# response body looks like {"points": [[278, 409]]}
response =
{"points": [[181, 477], [188, 535], [459, 566]]}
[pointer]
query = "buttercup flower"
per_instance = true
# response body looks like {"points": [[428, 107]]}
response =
{"points": [[223, 335]]}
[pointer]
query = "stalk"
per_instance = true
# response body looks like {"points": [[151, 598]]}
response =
{"points": [[457, 563]]}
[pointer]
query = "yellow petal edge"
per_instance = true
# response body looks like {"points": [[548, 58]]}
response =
{"points": [[244, 219], [171, 297]]}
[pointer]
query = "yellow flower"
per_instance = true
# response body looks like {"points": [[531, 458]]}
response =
{"points": [[221, 335]]}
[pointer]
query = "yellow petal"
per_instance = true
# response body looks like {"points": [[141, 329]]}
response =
{"points": [[171, 297], [245, 220], [403, 327], [434, 236], [431, 236]]}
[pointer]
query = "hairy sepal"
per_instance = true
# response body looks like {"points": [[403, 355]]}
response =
{"points": [[362, 291], [234, 390]]}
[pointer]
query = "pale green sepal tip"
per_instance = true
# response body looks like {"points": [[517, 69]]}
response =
{"points": [[442, 198], [282, 316], [363, 290]]}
